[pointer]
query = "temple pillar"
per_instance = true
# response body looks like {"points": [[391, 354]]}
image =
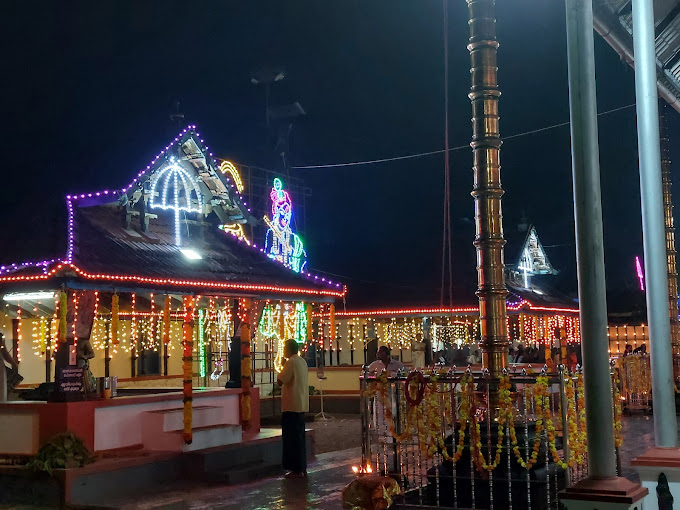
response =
{"points": [[487, 190], [659, 467], [602, 489]]}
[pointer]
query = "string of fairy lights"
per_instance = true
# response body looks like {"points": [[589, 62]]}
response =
{"points": [[152, 328], [144, 330]]}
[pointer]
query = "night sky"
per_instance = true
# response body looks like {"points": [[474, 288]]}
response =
{"points": [[88, 87]]}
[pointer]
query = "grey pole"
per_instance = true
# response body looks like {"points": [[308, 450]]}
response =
{"points": [[589, 239], [653, 226]]}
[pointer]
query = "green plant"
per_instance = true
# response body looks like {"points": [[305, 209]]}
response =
{"points": [[63, 451]]}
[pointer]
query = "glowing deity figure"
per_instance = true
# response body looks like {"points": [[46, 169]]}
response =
{"points": [[281, 243]]}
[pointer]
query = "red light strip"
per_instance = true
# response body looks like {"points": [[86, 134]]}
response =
{"points": [[548, 309], [444, 311], [176, 283]]}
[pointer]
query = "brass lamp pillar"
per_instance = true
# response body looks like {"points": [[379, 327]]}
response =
{"points": [[487, 191], [670, 235]]}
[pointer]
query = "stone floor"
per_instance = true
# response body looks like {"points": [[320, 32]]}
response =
{"points": [[638, 437], [338, 449], [342, 432]]}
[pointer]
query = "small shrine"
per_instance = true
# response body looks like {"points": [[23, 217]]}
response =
{"points": [[161, 280]]}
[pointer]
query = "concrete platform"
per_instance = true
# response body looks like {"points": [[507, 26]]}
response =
{"points": [[137, 472]]}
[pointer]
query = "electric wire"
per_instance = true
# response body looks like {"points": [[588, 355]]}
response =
{"points": [[442, 151]]}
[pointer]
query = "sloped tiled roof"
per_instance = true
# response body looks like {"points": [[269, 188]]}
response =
{"points": [[110, 242], [102, 245]]}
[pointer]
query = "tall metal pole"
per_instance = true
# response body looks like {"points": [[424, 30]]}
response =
{"points": [[589, 238], [671, 259], [653, 227], [487, 190]]}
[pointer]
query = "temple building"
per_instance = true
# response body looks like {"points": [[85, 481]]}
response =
{"points": [[158, 286]]}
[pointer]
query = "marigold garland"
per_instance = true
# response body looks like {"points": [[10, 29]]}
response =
{"points": [[246, 369], [618, 411], [63, 306], [427, 426], [537, 389], [505, 401], [420, 388], [187, 358]]}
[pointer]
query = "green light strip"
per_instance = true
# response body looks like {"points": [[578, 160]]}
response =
{"points": [[201, 345]]}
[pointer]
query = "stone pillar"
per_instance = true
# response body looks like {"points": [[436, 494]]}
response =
{"points": [[602, 489], [487, 191], [653, 225], [659, 467]]}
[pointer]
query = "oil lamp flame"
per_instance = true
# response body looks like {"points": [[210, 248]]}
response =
{"points": [[367, 469]]}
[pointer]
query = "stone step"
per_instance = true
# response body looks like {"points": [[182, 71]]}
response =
{"points": [[203, 438], [169, 420]]}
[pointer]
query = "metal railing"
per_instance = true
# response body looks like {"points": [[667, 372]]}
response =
{"points": [[461, 439]]}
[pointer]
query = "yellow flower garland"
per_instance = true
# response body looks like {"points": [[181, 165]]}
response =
{"points": [[505, 400], [537, 389], [63, 306], [618, 411], [428, 427]]}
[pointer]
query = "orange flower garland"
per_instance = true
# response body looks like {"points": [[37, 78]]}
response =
{"points": [[426, 420], [538, 389], [505, 399], [187, 358], [618, 411], [63, 306]]}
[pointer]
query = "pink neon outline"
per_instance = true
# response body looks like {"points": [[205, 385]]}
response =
{"points": [[640, 274]]}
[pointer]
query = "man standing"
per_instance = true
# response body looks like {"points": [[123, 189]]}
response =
{"points": [[294, 405], [385, 363]]}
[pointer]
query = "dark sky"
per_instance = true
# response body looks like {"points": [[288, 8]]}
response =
{"points": [[88, 87]]}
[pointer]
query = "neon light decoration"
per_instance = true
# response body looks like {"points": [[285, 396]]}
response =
{"points": [[640, 273], [108, 196], [236, 229], [228, 168], [182, 183], [533, 260], [281, 243], [202, 368], [300, 323]]}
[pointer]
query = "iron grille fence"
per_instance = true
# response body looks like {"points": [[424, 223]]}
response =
{"points": [[461, 439]]}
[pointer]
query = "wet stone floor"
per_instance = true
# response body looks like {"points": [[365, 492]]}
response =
{"points": [[339, 441]]}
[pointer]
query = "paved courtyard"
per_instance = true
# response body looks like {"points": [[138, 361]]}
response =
{"points": [[338, 447]]}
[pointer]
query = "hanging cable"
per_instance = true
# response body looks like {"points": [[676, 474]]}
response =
{"points": [[457, 148], [446, 230]]}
